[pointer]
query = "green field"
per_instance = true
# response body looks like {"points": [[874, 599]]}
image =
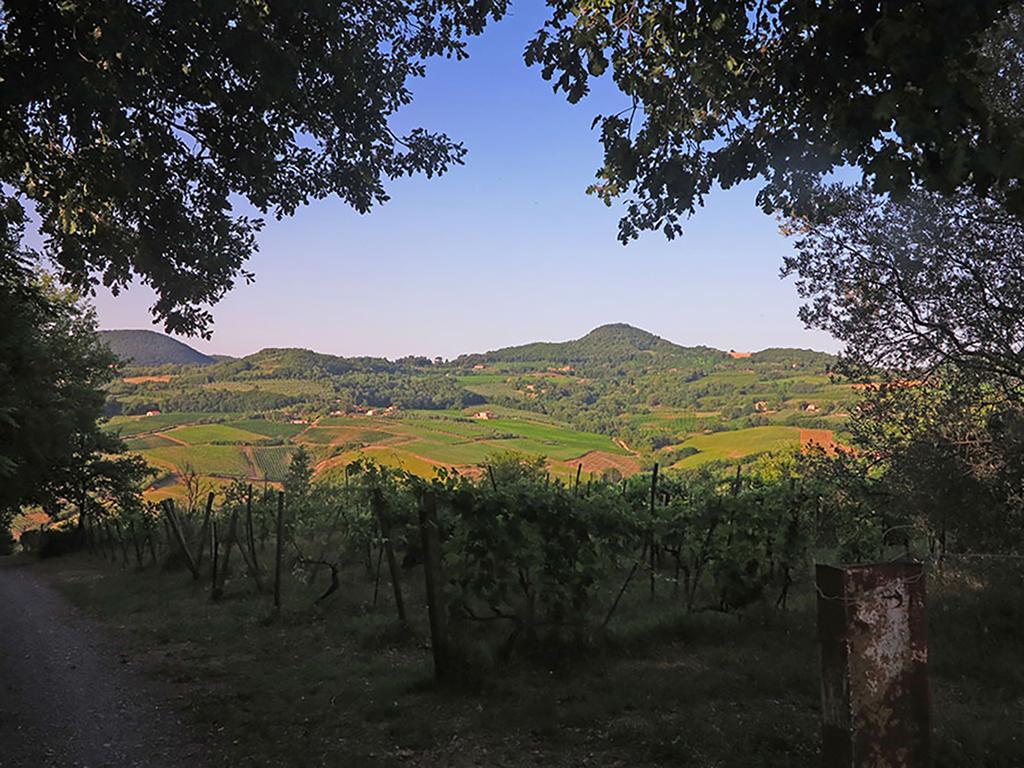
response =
{"points": [[147, 441], [213, 433], [389, 457], [205, 459], [420, 441], [728, 446], [487, 384], [267, 428], [341, 435], [556, 441], [137, 425], [272, 462]]}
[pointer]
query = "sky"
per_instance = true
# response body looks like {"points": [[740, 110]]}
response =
{"points": [[504, 250]]}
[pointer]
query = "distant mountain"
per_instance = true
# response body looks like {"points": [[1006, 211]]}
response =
{"points": [[607, 344], [151, 348]]}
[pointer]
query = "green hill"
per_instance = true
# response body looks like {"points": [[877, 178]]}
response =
{"points": [[151, 348], [612, 344], [298, 363], [618, 397]]}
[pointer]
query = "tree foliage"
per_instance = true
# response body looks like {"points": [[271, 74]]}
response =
{"points": [[52, 372], [949, 460], [134, 127], [916, 283], [911, 94]]}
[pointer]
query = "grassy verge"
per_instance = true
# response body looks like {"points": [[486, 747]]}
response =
{"points": [[342, 686]]}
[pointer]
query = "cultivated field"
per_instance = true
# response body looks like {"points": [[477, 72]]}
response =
{"points": [[729, 446], [224, 446]]}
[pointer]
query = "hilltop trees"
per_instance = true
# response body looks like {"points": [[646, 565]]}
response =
{"points": [[132, 128], [923, 94]]}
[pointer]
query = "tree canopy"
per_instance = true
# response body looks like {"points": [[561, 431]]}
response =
{"points": [[135, 129], [917, 283], [52, 372], [911, 94]]}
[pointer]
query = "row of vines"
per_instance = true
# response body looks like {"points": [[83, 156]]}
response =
{"points": [[511, 559]]}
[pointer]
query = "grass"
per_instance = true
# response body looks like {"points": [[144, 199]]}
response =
{"points": [[211, 433], [736, 444], [421, 440], [471, 452], [567, 442], [147, 441], [137, 425], [341, 435], [393, 457], [334, 472], [341, 684], [267, 428], [205, 459]]}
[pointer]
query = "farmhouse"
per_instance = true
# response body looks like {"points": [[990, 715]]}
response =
{"points": [[153, 412], [485, 415], [478, 367]]}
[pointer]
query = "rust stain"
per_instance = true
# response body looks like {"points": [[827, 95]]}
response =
{"points": [[875, 699]]}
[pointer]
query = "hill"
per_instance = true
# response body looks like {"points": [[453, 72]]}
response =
{"points": [[618, 398], [612, 344], [151, 348]]}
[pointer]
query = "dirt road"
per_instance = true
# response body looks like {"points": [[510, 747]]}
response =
{"points": [[69, 697]]}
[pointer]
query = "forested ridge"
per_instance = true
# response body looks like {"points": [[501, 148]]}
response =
{"points": [[151, 348], [596, 383]]}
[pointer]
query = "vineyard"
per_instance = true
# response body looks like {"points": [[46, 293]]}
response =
{"points": [[506, 577], [417, 548], [618, 399]]}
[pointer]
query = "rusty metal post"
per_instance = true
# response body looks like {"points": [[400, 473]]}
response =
{"points": [[874, 666]]}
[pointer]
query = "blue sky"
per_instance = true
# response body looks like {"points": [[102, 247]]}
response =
{"points": [[504, 250]]}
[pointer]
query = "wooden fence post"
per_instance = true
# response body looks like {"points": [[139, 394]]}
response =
{"points": [[214, 556], [436, 607], [650, 551], [252, 561], [152, 546], [232, 540], [279, 555], [205, 530], [136, 543], [874, 666], [380, 511], [122, 541], [175, 525]]}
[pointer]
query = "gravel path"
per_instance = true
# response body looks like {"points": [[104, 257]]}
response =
{"points": [[69, 698]]}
